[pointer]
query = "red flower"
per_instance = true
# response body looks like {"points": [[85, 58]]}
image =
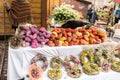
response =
{"points": [[117, 0]]}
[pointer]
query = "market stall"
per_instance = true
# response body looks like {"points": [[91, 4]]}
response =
{"points": [[65, 53], [62, 54], [19, 62]]}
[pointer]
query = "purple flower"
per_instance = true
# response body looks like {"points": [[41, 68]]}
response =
{"points": [[45, 65], [38, 55], [44, 59], [106, 65], [33, 61]]}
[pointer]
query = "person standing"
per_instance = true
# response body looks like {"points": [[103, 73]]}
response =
{"points": [[19, 12], [92, 15], [117, 15]]}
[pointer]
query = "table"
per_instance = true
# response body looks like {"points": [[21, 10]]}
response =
{"points": [[102, 24], [19, 61]]}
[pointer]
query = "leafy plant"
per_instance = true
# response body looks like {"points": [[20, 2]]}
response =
{"points": [[65, 12]]}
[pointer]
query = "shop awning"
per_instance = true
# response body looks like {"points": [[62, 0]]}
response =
{"points": [[85, 1]]}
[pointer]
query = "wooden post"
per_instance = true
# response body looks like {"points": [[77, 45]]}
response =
{"points": [[44, 12]]}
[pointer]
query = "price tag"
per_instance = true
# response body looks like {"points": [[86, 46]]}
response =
{"points": [[117, 33]]}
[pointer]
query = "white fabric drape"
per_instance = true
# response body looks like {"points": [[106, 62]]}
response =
{"points": [[19, 61]]}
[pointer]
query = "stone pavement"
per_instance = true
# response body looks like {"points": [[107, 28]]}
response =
{"points": [[3, 61]]}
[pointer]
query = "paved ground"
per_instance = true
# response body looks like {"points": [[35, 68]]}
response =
{"points": [[1, 56], [3, 60]]}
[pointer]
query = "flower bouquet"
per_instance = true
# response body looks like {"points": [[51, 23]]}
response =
{"points": [[15, 42], [35, 72], [65, 12]]}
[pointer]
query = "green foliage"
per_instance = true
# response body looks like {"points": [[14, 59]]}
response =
{"points": [[65, 12], [100, 13]]}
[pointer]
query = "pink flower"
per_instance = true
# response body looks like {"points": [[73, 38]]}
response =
{"points": [[117, 0], [35, 72], [68, 64], [71, 56], [78, 62]]}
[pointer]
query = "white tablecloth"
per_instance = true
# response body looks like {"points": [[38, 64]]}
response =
{"points": [[19, 61]]}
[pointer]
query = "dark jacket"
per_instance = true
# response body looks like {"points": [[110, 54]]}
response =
{"points": [[92, 16], [89, 13]]}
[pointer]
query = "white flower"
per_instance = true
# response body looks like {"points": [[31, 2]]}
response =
{"points": [[65, 12]]}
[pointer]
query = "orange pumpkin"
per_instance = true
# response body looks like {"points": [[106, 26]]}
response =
{"points": [[68, 29], [60, 35], [69, 34], [79, 37], [98, 41], [95, 33], [71, 43], [91, 40], [51, 43], [96, 37], [65, 43], [93, 29], [57, 30], [84, 42], [63, 38], [76, 42], [94, 41], [60, 42], [56, 42], [64, 34], [52, 37], [54, 33], [78, 33], [92, 35], [101, 34], [90, 31], [74, 35], [69, 39], [86, 37], [103, 39], [80, 30], [86, 33]]}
